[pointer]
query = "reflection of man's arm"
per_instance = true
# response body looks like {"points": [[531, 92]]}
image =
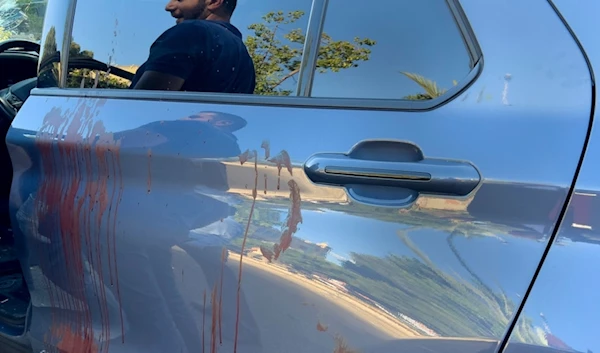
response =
{"points": [[159, 81], [173, 58]]}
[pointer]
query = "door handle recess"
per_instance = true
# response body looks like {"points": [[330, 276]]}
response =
{"points": [[428, 175]]}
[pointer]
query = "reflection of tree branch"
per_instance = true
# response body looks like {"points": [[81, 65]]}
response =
{"points": [[292, 73]]}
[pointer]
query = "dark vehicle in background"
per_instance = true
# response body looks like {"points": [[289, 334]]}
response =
{"points": [[416, 176]]}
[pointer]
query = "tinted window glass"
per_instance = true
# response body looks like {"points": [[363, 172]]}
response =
{"points": [[120, 33], [389, 49]]}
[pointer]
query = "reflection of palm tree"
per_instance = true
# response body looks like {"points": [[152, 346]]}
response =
{"points": [[431, 88]]}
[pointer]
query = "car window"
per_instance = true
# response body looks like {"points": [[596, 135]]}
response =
{"points": [[120, 33], [390, 49], [396, 50]]}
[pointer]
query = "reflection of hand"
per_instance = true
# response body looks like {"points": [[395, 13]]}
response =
{"points": [[223, 121]]}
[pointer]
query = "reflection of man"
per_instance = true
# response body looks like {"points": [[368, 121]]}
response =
{"points": [[189, 146], [203, 52]]}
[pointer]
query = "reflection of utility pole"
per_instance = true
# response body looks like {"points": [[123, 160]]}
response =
{"points": [[507, 79], [477, 279], [403, 235]]}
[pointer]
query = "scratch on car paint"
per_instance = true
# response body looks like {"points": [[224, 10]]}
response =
{"points": [[75, 149], [149, 170], [239, 286]]}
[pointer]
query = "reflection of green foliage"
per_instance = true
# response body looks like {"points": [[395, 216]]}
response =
{"points": [[87, 77], [4, 35], [262, 217], [414, 286], [34, 10], [276, 61]]}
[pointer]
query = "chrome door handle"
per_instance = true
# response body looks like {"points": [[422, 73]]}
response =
{"points": [[430, 176]]}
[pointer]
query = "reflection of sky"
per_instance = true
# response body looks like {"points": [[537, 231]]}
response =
{"points": [[409, 43], [569, 298]]}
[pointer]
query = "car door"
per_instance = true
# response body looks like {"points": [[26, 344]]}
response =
{"points": [[390, 186]]}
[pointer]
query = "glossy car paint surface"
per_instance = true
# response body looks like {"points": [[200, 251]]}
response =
{"points": [[565, 299], [133, 215]]}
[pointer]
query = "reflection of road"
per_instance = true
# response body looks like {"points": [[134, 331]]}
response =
{"points": [[287, 308]]}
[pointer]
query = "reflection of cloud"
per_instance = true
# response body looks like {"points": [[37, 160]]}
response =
{"points": [[341, 258]]}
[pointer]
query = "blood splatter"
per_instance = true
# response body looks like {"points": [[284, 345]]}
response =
{"points": [[223, 259], [321, 327], [293, 218], [282, 159], [267, 147], [244, 157], [149, 182], [265, 184], [267, 253], [214, 321], [239, 286], [203, 321], [74, 201], [72, 342]]}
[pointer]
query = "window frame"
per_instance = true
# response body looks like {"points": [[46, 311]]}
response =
{"points": [[307, 73]]}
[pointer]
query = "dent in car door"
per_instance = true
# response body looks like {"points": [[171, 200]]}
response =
{"points": [[107, 189]]}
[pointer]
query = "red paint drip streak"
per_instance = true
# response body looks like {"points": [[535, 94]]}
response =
{"points": [[149, 182], [214, 318], [114, 232], [45, 148], [223, 253], [203, 322], [98, 191], [70, 237], [239, 286]]}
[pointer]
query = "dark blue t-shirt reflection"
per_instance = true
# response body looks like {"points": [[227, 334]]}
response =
{"points": [[209, 55]]}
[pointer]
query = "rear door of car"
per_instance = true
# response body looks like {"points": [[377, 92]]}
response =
{"points": [[396, 175]]}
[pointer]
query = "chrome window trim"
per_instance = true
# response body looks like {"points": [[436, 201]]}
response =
{"points": [[466, 31], [312, 42], [249, 99], [66, 43], [316, 23]]}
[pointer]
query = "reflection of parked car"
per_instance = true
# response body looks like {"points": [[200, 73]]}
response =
{"points": [[343, 214]]}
